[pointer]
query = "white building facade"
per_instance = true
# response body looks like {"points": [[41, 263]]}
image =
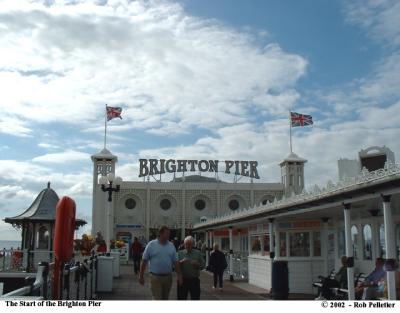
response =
{"points": [[141, 207]]}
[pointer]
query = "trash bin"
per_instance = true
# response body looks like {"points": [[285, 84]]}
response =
{"points": [[280, 280], [105, 273], [116, 255]]}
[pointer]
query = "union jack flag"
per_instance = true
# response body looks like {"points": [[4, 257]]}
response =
{"points": [[113, 112], [298, 119]]}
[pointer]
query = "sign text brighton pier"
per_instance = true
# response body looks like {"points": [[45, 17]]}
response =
{"points": [[155, 167]]}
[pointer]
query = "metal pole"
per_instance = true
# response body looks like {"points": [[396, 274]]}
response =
{"points": [[390, 247], [230, 254], [108, 226], [349, 252], [324, 244], [105, 128]]}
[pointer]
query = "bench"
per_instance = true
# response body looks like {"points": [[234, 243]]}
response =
{"points": [[318, 284], [342, 293], [339, 293]]}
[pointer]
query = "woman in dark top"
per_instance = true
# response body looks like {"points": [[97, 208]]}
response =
{"points": [[217, 264], [340, 281]]}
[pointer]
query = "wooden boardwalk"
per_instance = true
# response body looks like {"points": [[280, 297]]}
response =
{"points": [[127, 287]]}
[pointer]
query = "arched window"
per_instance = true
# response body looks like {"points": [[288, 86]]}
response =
{"points": [[367, 242], [382, 250], [42, 238], [354, 240], [398, 241]]}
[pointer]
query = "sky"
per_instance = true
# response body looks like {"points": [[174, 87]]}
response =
{"points": [[197, 79]]}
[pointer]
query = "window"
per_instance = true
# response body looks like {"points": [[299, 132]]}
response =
{"points": [[200, 204], [266, 244], [244, 243], [354, 240], [299, 244], [225, 244], [291, 182], [317, 243], [382, 240], [367, 242], [130, 203], [282, 244], [233, 204], [255, 244], [42, 241], [165, 204]]}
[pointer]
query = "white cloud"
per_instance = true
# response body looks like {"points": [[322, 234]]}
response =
{"points": [[14, 126], [171, 71], [62, 157], [379, 17]]}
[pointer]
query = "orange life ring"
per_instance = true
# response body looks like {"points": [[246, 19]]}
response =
{"points": [[63, 244]]}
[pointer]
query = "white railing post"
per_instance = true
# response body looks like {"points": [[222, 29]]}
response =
{"points": [[349, 252], [390, 247]]}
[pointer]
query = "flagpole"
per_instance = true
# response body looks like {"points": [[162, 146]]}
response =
{"points": [[290, 132], [105, 127]]}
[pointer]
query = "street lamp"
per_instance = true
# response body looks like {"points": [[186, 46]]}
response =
{"points": [[106, 183]]}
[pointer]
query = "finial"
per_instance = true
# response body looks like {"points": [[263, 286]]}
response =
{"points": [[48, 185]]}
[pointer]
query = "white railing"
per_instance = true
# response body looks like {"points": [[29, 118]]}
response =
{"points": [[11, 260], [388, 172], [240, 267], [77, 281]]}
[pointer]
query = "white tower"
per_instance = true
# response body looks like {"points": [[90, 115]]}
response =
{"points": [[103, 163], [292, 174]]}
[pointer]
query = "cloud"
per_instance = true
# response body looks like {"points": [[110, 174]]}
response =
{"points": [[322, 145], [14, 126], [62, 157], [380, 18], [172, 72]]}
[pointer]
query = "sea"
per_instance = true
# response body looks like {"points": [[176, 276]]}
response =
{"points": [[8, 244]]}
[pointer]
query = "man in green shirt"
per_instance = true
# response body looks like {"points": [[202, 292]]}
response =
{"points": [[191, 262]]}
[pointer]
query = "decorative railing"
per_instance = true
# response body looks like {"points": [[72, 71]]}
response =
{"points": [[11, 260], [77, 282], [388, 172], [240, 266]]}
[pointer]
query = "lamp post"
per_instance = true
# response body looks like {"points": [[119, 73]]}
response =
{"points": [[106, 183]]}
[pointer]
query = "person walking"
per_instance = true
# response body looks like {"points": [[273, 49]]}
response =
{"points": [[136, 254], [161, 256], [191, 262], [217, 264]]}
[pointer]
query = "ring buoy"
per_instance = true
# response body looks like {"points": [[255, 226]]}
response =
{"points": [[63, 244]]}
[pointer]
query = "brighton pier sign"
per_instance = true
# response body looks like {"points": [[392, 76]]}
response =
{"points": [[162, 166]]}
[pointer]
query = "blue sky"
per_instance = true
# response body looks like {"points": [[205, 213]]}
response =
{"points": [[196, 79]]}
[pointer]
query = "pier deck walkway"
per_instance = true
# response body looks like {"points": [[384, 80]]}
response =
{"points": [[127, 287]]}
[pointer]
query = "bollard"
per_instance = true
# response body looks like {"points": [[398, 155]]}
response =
{"points": [[29, 281], [66, 279], [77, 278], [45, 276]]}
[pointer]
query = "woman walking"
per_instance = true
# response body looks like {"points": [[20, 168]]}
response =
{"points": [[217, 265]]}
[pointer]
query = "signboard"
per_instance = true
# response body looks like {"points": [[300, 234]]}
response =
{"points": [[162, 166], [299, 224], [128, 226]]}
